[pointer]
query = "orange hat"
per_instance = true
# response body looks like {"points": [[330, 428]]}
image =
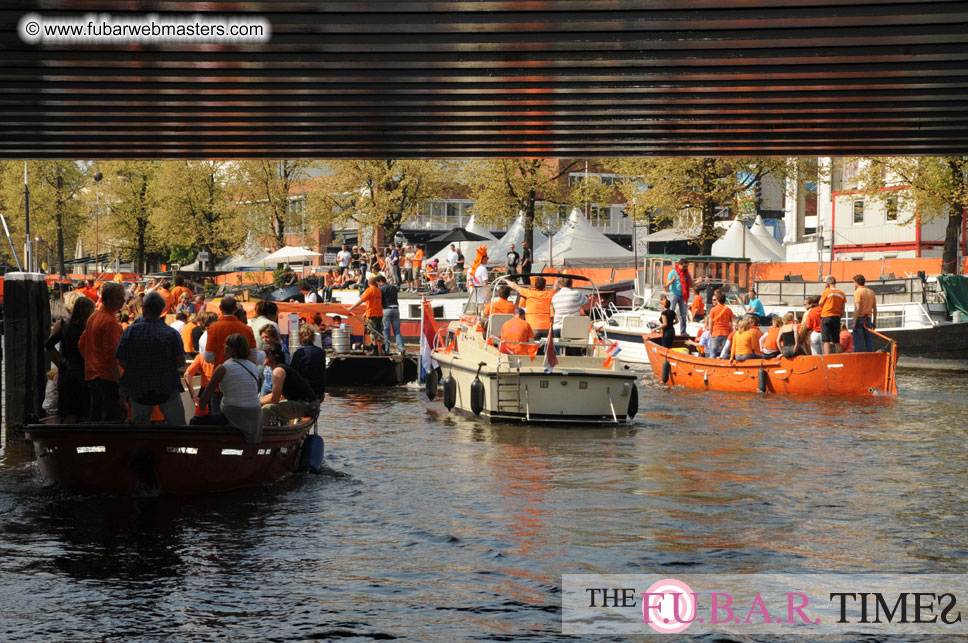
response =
{"points": [[479, 259]]}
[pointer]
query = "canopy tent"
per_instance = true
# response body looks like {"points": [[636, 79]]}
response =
{"points": [[740, 242], [763, 234], [577, 243], [250, 254], [497, 254], [288, 254], [469, 247]]}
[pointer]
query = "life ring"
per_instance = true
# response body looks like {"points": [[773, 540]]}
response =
{"points": [[450, 392], [430, 384], [633, 401], [477, 396]]}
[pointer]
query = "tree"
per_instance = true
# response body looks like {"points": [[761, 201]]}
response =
{"points": [[128, 202], [382, 193], [667, 188], [55, 207], [196, 210], [936, 186], [265, 189], [503, 187]]}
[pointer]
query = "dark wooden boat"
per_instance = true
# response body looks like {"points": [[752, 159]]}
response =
{"points": [[944, 346], [358, 369], [160, 459]]}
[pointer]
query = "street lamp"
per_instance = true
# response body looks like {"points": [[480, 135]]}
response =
{"points": [[97, 222]]}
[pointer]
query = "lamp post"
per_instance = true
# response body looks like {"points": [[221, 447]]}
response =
{"points": [[97, 222]]}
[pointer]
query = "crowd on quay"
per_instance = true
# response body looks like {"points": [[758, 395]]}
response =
{"points": [[725, 335], [115, 358]]}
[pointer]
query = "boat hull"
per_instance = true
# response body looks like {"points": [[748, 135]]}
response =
{"points": [[351, 369], [839, 374], [944, 346], [159, 459], [572, 397]]}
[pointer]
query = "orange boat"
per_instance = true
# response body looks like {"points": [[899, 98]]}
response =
{"points": [[838, 374]]}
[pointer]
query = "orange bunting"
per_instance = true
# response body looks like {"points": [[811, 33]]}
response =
{"points": [[533, 351]]}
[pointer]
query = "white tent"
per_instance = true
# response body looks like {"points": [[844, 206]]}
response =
{"points": [[469, 247], [497, 254], [740, 242], [762, 233], [288, 254], [577, 243]]}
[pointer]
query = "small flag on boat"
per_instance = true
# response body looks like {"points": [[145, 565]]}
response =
{"points": [[427, 335], [612, 351], [551, 357]]}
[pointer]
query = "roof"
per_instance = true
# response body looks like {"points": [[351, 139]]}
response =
{"points": [[554, 79]]}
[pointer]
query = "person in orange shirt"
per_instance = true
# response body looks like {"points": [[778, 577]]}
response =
{"points": [[198, 365], [97, 344], [162, 289], [181, 288], [810, 328], [418, 257], [227, 324], [832, 303], [697, 308], [373, 298], [517, 334], [719, 323], [501, 305], [769, 343], [745, 342], [186, 334], [538, 306]]}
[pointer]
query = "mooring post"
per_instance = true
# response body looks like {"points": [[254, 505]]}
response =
{"points": [[26, 326]]}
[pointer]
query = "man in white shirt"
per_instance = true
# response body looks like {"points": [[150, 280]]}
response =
{"points": [[343, 260], [567, 302], [452, 256]]}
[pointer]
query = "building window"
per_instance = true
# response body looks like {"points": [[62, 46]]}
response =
{"points": [[890, 209], [598, 215], [858, 212]]}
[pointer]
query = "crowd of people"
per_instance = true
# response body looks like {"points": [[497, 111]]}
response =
{"points": [[820, 330], [116, 358]]}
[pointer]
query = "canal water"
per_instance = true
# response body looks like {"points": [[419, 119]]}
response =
{"points": [[432, 527]]}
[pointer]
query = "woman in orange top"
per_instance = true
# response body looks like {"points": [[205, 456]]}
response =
{"points": [[745, 342], [538, 306], [769, 343]]}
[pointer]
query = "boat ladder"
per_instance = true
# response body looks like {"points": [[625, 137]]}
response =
{"points": [[508, 387]]}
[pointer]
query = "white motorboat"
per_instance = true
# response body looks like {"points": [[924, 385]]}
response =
{"points": [[480, 378]]}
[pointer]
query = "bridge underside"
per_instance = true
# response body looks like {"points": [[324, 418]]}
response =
{"points": [[562, 78]]}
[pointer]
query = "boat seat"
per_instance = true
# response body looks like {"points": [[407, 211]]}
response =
{"points": [[496, 323], [575, 329]]}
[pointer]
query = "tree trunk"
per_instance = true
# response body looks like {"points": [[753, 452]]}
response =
{"points": [[60, 239], [708, 229], [529, 221], [140, 259], [949, 258]]}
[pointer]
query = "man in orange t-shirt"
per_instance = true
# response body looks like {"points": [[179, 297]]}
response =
{"points": [[501, 305], [832, 303], [810, 326], [373, 298], [418, 257], [697, 309], [538, 306], [719, 321], [180, 288], [97, 344], [516, 334], [227, 324]]}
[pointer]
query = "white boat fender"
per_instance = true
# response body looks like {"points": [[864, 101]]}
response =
{"points": [[666, 370], [430, 384], [762, 379], [633, 401], [477, 392], [449, 384]]}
